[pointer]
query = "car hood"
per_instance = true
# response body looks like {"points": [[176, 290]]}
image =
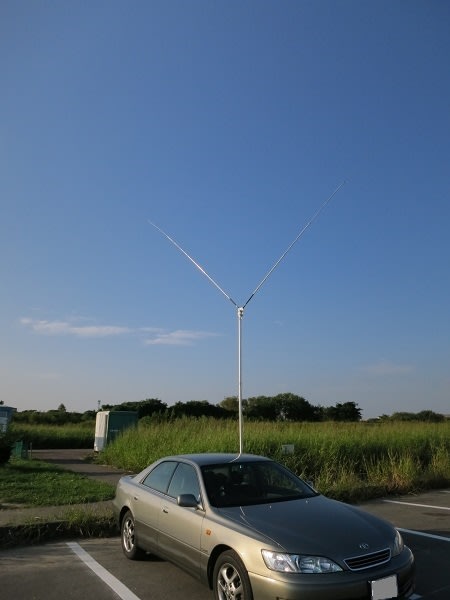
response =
{"points": [[316, 525]]}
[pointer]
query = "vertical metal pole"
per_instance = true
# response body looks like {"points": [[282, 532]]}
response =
{"points": [[240, 309], [240, 314]]}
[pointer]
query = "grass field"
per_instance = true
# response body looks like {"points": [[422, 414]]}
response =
{"points": [[32, 483], [347, 461], [35, 483], [54, 436]]}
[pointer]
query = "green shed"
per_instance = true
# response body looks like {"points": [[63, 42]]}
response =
{"points": [[109, 423]]}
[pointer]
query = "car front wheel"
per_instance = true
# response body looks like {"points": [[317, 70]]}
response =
{"points": [[231, 581], [128, 538]]}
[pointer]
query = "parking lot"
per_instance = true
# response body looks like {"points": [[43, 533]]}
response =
{"points": [[96, 569]]}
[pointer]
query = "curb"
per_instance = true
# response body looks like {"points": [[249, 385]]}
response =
{"points": [[40, 533]]}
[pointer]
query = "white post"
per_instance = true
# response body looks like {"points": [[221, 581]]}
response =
{"points": [[240, 314]]}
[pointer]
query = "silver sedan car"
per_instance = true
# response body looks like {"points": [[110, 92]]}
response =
{"points": [[250, 529]]}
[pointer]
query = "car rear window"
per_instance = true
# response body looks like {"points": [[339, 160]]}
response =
{"points": [[159, 477]]}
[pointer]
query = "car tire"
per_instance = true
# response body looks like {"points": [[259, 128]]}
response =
{"points": [[128, 537], [230, 578]]}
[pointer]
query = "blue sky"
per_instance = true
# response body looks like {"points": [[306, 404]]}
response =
{"points": [[227, 124]]}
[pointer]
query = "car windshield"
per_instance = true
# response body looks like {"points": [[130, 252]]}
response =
{"points": [[245, 483]]}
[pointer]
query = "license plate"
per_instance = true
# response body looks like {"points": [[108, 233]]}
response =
{"points": [[383, 589]]}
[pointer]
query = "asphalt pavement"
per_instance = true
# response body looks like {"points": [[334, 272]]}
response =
{"points": [[423, 520]]}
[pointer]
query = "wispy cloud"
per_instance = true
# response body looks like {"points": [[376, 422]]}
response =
{"points": [[67, 328], [150, 335], [384, 367], [180, 337]]}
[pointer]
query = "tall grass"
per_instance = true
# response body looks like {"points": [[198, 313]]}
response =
{"points": [[54, 436], [349, 461]]}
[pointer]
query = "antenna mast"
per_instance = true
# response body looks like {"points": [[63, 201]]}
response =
{"points": [[240, 309]]}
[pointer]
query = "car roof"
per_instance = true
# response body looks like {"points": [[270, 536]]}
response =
{"points": [[216, 458]]}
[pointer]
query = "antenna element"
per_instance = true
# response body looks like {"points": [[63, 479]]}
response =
{"points": [[240, 309]]}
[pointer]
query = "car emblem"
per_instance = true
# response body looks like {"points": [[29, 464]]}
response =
{"points": [[364, 546]]}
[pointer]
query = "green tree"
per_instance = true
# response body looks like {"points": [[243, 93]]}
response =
{"points": [[403, 416], [230, 404], [430, 416], [262, 408], [144, 408], [295, 408], [348, 411]]}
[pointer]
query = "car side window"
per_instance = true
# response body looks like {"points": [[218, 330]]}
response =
{"points": [[184, 481], [159, 477]]}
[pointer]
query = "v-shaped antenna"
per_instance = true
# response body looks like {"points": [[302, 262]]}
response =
{"points": [[240, 309]]}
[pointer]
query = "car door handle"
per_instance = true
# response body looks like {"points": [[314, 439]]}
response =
{"points": [[165, 510], [136, 498]]}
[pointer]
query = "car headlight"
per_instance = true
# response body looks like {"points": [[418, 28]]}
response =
{"points": [[298, 563], [398, 544]]}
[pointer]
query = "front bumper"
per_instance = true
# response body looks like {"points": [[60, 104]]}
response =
{"points": [[345, 585]]}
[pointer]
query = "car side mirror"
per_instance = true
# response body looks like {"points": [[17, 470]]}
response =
{"points": [[187, 500]]}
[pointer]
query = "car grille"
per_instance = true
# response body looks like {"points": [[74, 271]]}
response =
{"points": [[365, 561]]}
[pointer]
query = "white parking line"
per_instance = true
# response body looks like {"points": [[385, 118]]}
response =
{"points": [[122, 591], [421, 505], [117, 586], [441, 538]]}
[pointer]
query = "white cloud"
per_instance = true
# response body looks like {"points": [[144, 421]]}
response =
{"points": [[384, 367], [180, 337], [66, 328], [158, 336]]}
